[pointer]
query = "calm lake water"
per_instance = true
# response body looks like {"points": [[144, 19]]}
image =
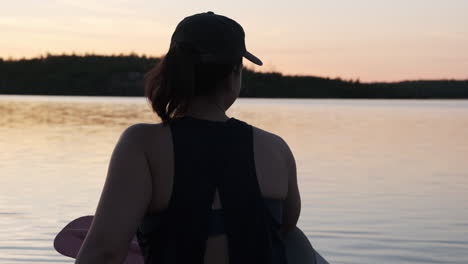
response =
{"points": [[381, 181]]}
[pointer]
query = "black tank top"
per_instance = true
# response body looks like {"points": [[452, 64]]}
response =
{"points": [[210, 155]]}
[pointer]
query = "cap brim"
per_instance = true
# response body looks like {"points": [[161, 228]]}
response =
{"points": [[252, 58]]}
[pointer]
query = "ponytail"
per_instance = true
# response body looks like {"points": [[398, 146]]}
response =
{"points": [[170, 85], [179, 76]]}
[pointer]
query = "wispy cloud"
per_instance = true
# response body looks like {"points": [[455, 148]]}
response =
{"points": [[114, 7], [86, 26]]}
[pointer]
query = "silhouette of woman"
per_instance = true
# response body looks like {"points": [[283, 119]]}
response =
{"points": [[199, 187]]}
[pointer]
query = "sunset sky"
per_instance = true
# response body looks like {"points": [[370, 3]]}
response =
{"points": [[373, 40]]}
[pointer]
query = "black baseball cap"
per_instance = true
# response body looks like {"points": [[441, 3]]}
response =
{"points": [[217, 39]]}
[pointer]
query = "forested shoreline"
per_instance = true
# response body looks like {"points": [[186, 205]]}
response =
{"points": [[122, 75]]}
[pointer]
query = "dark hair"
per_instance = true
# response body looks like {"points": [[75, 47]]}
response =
{"points": [[179, 76]]}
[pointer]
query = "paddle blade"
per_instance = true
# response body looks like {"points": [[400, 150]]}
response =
{"points": [[69, 241]]}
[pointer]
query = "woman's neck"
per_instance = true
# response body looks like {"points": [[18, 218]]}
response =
{"points": [[208, 108]]}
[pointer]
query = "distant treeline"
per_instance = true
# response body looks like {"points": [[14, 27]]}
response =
{"points": [[122, 75]]}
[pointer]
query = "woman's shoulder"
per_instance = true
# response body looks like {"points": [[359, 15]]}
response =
{"points": [[270, 141], [267, 136], [141, 129], [145, 134]]}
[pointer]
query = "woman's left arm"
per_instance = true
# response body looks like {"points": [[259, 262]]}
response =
{"points": [[124, 200]]}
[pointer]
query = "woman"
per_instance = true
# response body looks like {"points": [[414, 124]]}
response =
{"points": [[199, 187]]}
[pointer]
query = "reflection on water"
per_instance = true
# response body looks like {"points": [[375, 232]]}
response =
{"points": [[381, 181]]}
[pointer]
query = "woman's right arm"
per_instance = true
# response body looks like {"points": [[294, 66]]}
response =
{"points": [[292, 205]]}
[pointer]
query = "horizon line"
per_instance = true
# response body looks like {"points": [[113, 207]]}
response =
{"points": [[256, 69]]}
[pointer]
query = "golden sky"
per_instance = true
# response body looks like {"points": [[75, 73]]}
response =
{"points": [[373, 40]]}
